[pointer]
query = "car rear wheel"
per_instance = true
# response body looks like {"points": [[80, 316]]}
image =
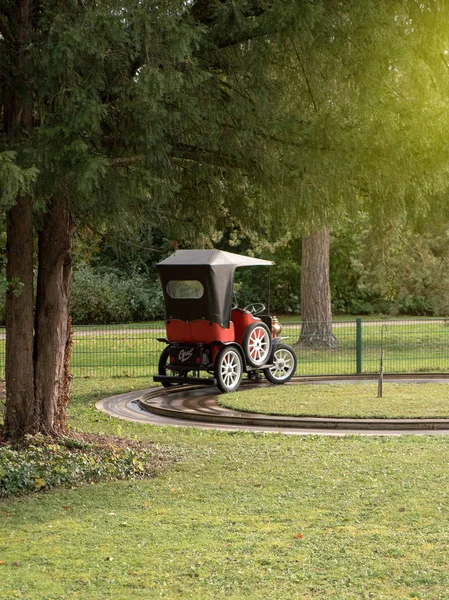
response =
{"points": [[164, 367], [284, 365], [257, 344], [228, 369]]}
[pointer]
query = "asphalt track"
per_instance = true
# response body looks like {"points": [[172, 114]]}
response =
{"points": [[196, 406]]}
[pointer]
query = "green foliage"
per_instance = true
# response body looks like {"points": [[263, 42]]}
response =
{"points": [[365, 114], [100, 297], [399, 272], [13, 179], [140, 104], [42, 465]]}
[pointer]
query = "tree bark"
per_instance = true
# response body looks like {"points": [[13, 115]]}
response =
{"points": [[19, 368], [52, 343], [316, 311], [18, 119]]}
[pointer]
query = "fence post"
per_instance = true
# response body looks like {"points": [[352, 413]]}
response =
{"points": [[358, 330]]}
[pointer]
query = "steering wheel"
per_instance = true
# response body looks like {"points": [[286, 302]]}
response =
{"points": [[256, 308]]}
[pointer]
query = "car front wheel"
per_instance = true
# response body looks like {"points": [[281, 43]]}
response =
{"points": [[284, 365]]}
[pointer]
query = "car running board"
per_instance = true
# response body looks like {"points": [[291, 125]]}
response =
{"points": [[182, 380]]}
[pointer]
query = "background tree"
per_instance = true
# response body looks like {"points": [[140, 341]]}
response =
{"points": [[365, 102], [316, 310]]}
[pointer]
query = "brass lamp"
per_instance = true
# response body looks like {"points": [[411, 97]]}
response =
{"points": [[276, 327]]}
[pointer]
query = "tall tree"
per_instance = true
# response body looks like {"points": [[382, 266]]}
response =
{"points": [[117, 109]]}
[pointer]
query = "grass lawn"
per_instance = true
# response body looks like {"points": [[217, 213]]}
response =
{"points": [[358, 400], [238, 516]]}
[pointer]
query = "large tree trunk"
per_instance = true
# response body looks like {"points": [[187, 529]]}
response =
{"points": [[37, 349], [52, 342], [18, 118], [37, 366], [19, 416], [316, 312]]}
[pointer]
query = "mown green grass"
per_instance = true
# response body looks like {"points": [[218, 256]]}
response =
{"points": [[358, 400], [240, 515]]}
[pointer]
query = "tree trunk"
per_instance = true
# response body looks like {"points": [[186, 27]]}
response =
{"points": [[52, 343], [18, 119], [316, 312], [19, 368], [37, 350]]}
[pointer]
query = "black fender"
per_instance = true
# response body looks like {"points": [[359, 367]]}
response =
{"points": [[235, 345], [275, 343]]}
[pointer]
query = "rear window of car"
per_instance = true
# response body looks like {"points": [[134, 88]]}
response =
{"points": [[185, 289]]}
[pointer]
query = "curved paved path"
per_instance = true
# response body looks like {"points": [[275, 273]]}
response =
{"points": [[196, 406]]}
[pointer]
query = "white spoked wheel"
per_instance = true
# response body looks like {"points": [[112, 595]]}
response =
{"points": [[228, 369], [257, 344], [284, 365]]}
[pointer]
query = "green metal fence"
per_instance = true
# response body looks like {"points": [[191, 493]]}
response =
{"points": [[410, 346]]}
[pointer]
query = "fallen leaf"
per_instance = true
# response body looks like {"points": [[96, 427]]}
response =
{"points": [[68, 507], [299, 536], [2, 562]]}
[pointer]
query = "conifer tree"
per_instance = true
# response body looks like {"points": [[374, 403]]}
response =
{"points": [[111, 110]]}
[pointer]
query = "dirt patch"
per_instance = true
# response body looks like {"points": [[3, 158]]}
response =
{"points": [[76, 441]]}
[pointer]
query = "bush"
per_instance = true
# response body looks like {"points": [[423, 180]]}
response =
{"points": [[42, 465], [106, 297]]}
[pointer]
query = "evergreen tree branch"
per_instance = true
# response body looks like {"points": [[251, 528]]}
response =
{"points": [[125, 161], [244, 36], [305, 75], [184, 152], [210, 157], [204, 11]]}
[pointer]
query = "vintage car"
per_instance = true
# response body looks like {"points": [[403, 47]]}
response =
{"points": [[209, 339]]}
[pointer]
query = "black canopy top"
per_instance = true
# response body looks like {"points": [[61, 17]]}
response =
{"points": [[197, 284]]}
